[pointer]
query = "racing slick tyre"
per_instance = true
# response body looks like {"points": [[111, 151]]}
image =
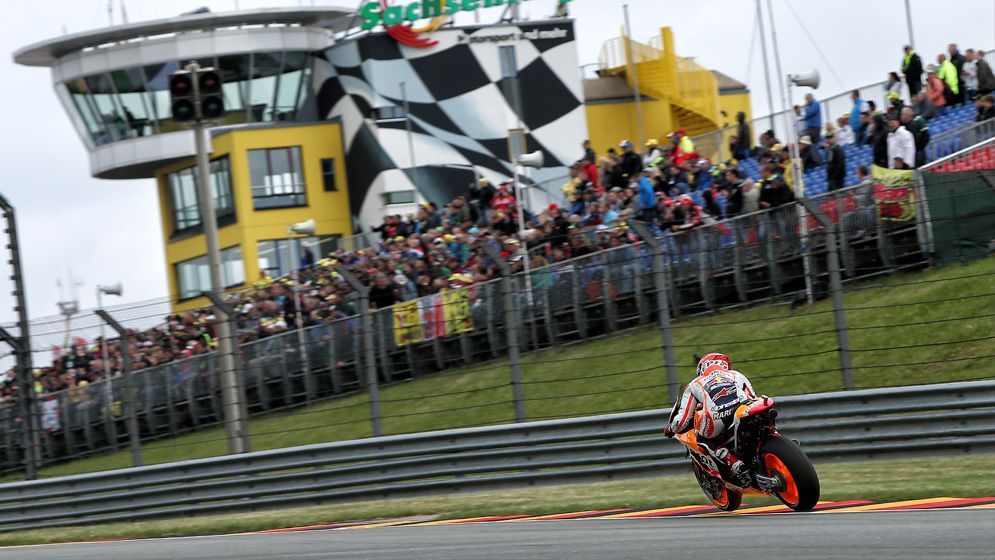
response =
{"points": [[780, 457], [715, 490]]}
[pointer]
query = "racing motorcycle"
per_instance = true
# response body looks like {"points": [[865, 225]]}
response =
{"points": [[777, 465]]}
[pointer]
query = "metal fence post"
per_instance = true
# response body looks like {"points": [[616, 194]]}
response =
{"points": [[129, 390], [511, 324], [660, 282], [369, 355], [226, 314], [836, 287]]}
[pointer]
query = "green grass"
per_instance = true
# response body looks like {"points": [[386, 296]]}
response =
{"points": [[558, 382], [963, 476]]}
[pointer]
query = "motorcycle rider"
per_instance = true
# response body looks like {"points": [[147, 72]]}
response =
{"points": [[717, 391]]}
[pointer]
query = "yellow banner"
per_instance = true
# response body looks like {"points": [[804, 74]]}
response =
{"points": [[894, 193], [457, 309], [407, 323]]}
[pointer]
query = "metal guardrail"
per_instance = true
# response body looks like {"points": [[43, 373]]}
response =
{"points": [[954, 141], [905, 421]]}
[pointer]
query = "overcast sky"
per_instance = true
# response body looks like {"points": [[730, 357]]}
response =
{"points": [[108, 231]]}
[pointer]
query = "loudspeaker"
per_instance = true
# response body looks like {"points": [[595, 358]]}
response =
{"points": [[806, 80], [112, 290], [303, 228], [534, 160]]}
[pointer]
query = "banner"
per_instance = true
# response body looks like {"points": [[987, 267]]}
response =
{"points": [[434, 316], [50, 421], [457, 306], [894, 193], [407, 323]]}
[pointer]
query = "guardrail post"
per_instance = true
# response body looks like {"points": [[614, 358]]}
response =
{"points": [[511, 329], [369, 354], [836, 287], [129, 390], [660, 281], [233, 395]]}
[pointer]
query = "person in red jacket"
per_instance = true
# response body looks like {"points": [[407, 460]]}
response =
{"points": [[503, 201]]}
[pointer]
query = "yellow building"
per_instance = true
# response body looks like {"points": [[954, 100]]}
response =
{"points": [[675, 93], [265, 178]]}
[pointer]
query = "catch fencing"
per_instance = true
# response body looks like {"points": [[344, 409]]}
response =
{"points": [[877, 423], [760, 257]]}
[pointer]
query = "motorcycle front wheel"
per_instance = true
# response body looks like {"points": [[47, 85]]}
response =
{"points": [[780, 457], [715, 490]]}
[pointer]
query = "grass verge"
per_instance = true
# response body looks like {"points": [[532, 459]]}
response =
{"points": [[783, 351], [964, 476]]}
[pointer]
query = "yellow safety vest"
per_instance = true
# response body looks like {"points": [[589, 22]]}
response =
{"points": [[948, 73]]}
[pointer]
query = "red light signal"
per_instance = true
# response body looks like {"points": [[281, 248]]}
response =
{"points": [[181, 97]]}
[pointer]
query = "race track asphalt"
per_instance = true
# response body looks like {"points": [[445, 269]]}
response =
{"points": [[934, 534]]}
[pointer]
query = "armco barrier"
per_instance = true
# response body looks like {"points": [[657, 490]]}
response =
{"points": [[906, 421]]}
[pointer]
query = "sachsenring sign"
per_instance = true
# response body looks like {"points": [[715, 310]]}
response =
{"points": [[438, 12]]}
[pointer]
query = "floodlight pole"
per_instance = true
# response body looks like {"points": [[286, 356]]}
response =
{"points": [[236, 427], [22, 348], [662, 287]]}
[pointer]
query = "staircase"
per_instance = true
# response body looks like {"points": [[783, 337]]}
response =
{"points": [[689, 87]]}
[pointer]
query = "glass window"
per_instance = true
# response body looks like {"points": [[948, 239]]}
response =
{"points": [[262, 88], [193, 277], [184, 203], [274, 255], [130, 87], [107, 110], [277, 178], [328, 174], [158, 83], [79, 93], [399, 197], [289, 86], [234, 84]]}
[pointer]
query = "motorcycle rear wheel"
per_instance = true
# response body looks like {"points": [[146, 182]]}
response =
{"points": [[780, 457], [715, 490]]}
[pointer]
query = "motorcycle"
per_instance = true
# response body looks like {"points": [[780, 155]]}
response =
{"points": [[777, 466]]}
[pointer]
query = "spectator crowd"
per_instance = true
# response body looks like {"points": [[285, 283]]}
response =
{"points": [[668, 184]]}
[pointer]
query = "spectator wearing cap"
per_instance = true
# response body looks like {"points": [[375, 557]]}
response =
{"points": [[935, 87], [901, 145], [684, 149], [632, 163], [813, 117], [835, 163], [809, 154], [912, 68], [843, 133], [653, 152]]}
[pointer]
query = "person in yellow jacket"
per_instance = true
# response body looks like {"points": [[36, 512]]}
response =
{"points": [[948, 73]]}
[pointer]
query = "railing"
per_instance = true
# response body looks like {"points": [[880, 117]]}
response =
{"points": [[951, 142], [749, 258], [894, 422]]}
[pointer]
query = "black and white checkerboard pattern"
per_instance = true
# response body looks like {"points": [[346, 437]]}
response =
{"points": [[459, 111]]}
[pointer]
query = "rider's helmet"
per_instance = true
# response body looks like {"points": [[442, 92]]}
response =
{"points": [[713, 359]]}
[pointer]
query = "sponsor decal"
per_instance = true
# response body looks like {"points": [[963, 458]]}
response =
{"points": [[399, 20]]}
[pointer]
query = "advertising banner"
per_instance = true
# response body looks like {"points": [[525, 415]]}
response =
{"points": [[894, 193], [434, 316]]}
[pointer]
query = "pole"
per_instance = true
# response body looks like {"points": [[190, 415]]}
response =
{"points": [[299, 318], [635, 76], [369, 356], [661, 285], [411, 144], [131, 415], [236, 426], [763, 50], [836, 287], [511, 324], [22, 346], [796, 172], [108, 382], [908, 22]]}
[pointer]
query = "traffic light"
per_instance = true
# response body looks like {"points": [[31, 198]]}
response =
{"points": [[182, 100], [212, 103]]}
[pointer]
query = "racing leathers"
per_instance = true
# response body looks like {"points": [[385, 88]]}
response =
{"points": [[709, 403]]}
